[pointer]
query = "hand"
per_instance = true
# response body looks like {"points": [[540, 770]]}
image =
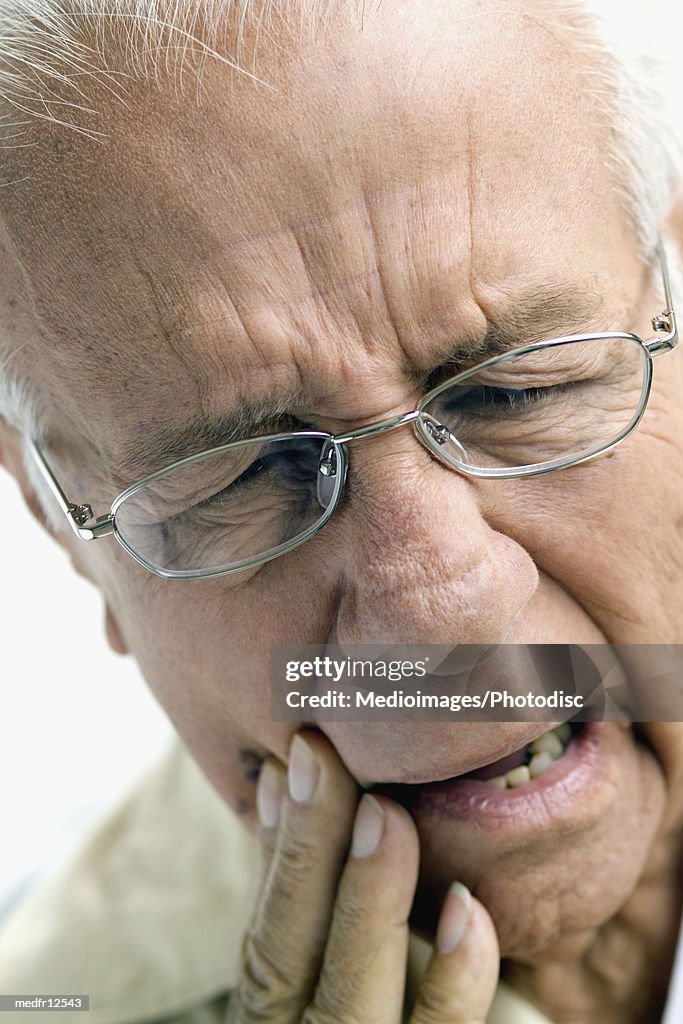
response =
{"points": [[329, 938]]}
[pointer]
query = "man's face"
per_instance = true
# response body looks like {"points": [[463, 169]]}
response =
{"points": [[328, 244]]}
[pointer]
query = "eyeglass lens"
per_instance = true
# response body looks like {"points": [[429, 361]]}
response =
{"points": [[560, 402], [229, 507]]}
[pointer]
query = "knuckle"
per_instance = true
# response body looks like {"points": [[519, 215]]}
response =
{"points": [[296, 857], [437, 1004], [341, 996], [337, 990], [350, 916], [333, 1008], [264, 988]]}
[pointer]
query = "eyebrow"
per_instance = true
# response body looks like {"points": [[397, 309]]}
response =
{"points": [[535, 315], [153, 451]]}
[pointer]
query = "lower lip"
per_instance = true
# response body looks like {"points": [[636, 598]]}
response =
{"points": [[567, 785]]}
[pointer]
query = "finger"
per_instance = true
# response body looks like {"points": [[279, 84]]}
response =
{"points": [[461, 978], [283, 949], [270, 793], [363, 973]]}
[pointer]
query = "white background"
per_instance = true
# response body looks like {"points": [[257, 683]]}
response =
{"points": [[77, 721]]}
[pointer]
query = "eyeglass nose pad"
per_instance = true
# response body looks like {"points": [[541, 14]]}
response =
{"points": [[441, 435], [328, 468]]}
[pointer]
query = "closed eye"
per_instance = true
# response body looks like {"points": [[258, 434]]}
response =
{"points": [[485, 399]]}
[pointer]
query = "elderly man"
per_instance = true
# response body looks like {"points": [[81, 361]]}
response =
{"points": [[296, 221]]}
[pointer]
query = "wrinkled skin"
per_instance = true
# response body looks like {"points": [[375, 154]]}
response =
{"points": [[338, 237]]}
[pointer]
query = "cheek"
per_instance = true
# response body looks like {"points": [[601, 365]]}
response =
{"points": [[608, 531], [204, 648]]}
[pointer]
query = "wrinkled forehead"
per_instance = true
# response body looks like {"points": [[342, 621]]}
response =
{"points": [[357, 199]]}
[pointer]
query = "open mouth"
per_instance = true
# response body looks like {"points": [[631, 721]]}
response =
{"points": [[530, 762], [549, 778], [503, 831]]}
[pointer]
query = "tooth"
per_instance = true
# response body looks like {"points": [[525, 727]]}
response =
{"points": [[539, 763], [564, 732], [518, 776], [499, 781], [548, 743]]}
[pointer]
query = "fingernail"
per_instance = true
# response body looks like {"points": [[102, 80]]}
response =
{"points": [[303, 771], [367, 828], [455, 915], [269, 795]]}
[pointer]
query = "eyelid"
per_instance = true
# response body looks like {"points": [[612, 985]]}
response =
{"points": [[458, 365], [493, 377], [551, 371]]}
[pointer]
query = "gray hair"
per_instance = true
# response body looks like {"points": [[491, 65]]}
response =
{"points": [[50, 48]]}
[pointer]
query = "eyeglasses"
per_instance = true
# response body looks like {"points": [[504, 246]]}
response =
{"points": [[535, 409]]}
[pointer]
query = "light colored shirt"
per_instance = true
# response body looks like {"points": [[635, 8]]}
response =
{"points": [[149, 915]]}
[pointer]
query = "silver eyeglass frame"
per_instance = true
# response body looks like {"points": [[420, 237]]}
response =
{"points": [[428, 430]]}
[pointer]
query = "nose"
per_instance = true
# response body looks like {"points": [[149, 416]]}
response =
{"points": [[418, 563]]}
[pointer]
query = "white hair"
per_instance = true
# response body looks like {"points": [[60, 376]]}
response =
{"points": [[50, 49]]}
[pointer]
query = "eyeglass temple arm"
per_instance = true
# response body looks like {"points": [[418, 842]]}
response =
{"points": [[666, 321], [77, 515]]}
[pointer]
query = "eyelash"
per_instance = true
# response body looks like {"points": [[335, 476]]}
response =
{"points": [[527, 395]]}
